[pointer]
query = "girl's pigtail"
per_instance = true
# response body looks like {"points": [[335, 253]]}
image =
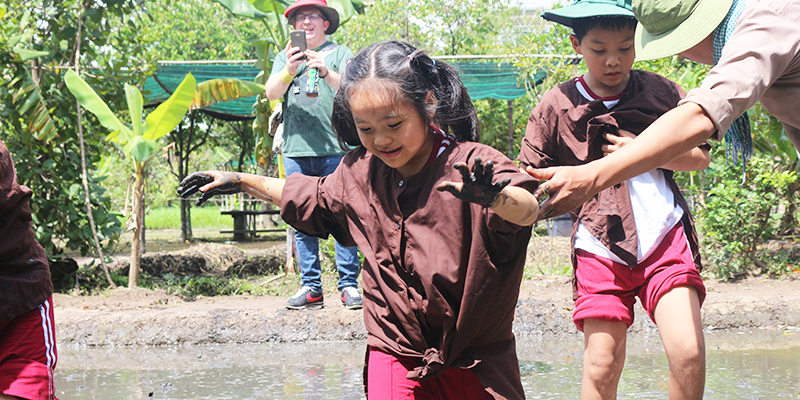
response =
{"points": [[342, 121], [455, 112]]}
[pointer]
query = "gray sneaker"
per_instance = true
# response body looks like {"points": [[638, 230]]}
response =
{"points": [[351, 298], [305, 298]]}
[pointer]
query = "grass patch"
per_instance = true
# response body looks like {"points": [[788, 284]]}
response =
{"points": [[548, 256], [93, 281], [207, 217]]}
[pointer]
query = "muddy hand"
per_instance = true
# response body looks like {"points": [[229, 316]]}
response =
{"points": [[476, 186], [210, 183]]}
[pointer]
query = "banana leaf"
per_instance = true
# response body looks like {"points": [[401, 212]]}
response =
{"points": [[225, 89]]}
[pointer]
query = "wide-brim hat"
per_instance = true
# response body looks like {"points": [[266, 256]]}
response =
{"points": [[583, 9], [669, 27], [330, 13]]}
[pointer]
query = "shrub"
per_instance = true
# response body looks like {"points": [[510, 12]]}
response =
{"points": [[738, 218]]}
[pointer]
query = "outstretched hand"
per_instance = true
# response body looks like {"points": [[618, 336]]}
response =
{"points": [[210, 183], [476, 186]]}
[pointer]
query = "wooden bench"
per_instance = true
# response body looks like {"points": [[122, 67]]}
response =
{"points": [[244, 223]]}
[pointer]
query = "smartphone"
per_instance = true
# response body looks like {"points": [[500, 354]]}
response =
{"points": [[299, 40]]}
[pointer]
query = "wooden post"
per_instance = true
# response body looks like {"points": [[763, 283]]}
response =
{"points": [[239, 227]]}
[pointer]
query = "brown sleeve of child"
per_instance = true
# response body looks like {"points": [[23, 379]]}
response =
{"points": [[539, 146]]}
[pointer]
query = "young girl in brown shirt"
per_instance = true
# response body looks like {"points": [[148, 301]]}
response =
{"points": [[442, 270]]}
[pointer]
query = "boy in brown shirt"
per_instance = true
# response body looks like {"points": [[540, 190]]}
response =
{"points": [[634, 239], [753, 46]]}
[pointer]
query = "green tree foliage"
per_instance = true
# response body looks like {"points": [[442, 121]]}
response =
{"points": [[50, 165], [457, 27], [441, 27], [187, 30], [382, 20]]}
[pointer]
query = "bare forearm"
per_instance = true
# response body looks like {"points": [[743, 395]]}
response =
{"points": [[333, 79], [275, 87], [516, 205], [696, 159], [265, 188], [669, 137]]}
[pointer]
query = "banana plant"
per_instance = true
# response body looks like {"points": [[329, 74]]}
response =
{"points": [[139, 143]]}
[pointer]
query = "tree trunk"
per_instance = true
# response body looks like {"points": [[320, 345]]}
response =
{"points": [[186, 220], [788, 224], [136, 250], [84, 172], [142, 224]]}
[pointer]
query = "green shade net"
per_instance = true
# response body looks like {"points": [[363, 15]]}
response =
{"points": [[499, 81], [491, 80], [166, 79]]}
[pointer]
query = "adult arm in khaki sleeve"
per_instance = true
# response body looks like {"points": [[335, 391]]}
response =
{"points": [[731, 87]]}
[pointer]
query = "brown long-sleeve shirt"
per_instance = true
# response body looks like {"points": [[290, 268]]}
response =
{"points": [[441, 276], [24, 272]]}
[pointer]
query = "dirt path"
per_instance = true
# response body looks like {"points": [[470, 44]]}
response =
{"points": [[144, 317]]}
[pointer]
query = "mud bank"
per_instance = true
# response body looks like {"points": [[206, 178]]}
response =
{"points": [[125, 317]]}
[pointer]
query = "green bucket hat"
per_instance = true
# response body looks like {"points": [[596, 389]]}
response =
{"points": [[669, 27], [582, 9]]}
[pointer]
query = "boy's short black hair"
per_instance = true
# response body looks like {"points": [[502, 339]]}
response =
{"points": [[582, 26]]}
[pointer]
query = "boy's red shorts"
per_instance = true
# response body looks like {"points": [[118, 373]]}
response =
{"points": [[28, 354], [386, 380], [607, 290]]}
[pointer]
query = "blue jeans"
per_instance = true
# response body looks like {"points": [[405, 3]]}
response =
{"points": [[308, 246]]}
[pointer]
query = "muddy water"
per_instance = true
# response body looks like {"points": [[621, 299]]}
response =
{"points": [[741, 365]]}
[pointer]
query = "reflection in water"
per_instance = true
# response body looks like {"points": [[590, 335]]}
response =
{"points": [[741, 365], [329, 370]]}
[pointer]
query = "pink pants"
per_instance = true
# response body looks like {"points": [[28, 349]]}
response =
{"points": [[386, 380], [28, 354]]}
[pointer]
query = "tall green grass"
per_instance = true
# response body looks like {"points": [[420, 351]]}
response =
{"points": [[207, 217]]}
